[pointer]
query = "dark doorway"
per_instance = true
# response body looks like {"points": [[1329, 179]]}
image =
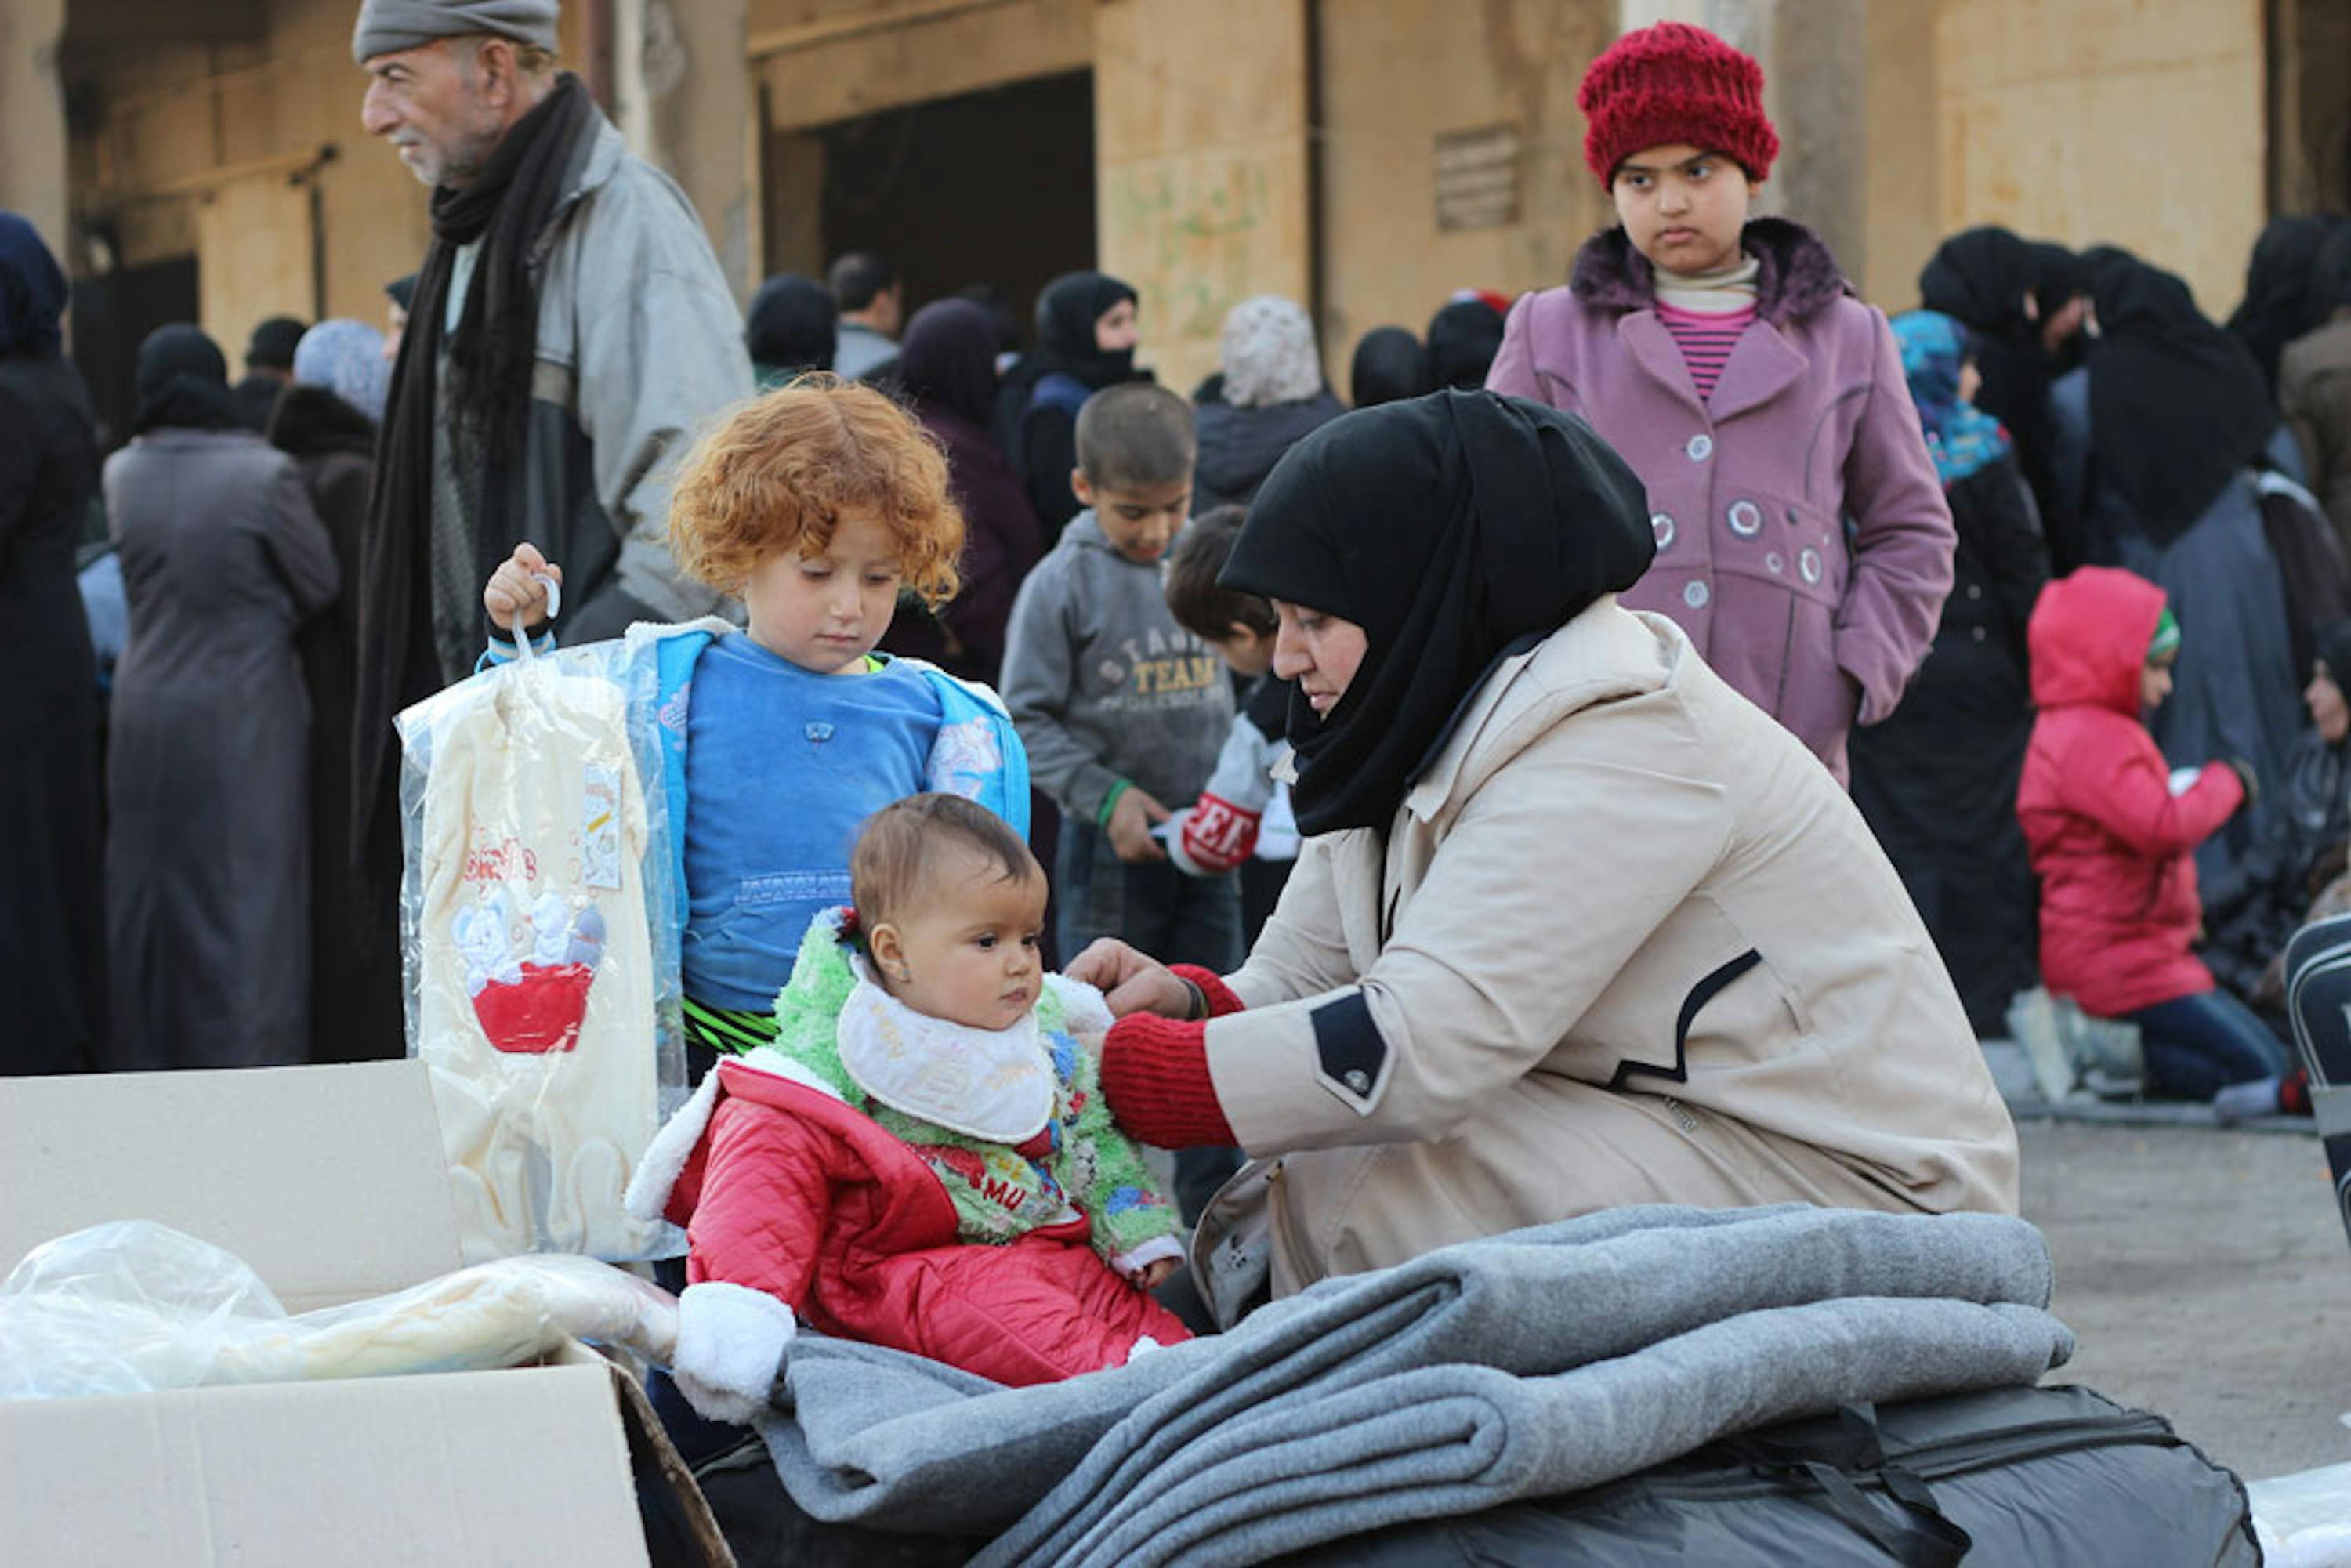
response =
{"points": [[993, 187], [111, 317]]}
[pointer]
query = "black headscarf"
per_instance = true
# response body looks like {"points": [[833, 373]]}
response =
{"points": [[32, 292], [403, 290], [183, 383], [1452, 527], [2178, 407], [1066, 313], [1463, 339], [949, 359], [273, 341], [1981, 277], [1389, 365], [2278, 306], [792, 326]]}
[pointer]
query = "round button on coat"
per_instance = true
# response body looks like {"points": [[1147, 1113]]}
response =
{"points": [[1746, 519], [1695, 595], [1700, 447], [1662, 525], [1808, 564]]}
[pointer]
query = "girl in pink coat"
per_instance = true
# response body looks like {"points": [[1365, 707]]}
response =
{"points": [[1802, 539]]}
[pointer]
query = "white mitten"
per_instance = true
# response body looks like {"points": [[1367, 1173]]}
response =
{"points": [[730, 1345]]}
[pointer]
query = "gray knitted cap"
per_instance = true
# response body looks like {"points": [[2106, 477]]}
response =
{"points": [[388, 27]]}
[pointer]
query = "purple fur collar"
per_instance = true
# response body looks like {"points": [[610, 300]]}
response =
{"points": [[1796, 276]]}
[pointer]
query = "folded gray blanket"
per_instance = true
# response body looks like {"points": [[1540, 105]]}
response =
{"points": [[1539, 1362]]}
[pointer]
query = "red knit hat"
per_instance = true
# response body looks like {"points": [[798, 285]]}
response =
{"points": [[1675, 83]]}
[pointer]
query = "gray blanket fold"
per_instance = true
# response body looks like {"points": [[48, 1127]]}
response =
{"points": [[1450, 1441], [1544, 1361]]}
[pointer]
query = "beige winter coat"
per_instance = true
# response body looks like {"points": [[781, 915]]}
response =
{"points": [[1626, 942]]}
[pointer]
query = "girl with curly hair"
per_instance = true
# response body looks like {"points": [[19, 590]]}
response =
{"points": [[812, 504]]}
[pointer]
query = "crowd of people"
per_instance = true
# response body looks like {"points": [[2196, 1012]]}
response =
{"points": [[1341, 734]]}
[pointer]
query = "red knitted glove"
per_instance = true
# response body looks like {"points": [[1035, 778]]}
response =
{"points": [[1154, 1077], [1221, 999]]}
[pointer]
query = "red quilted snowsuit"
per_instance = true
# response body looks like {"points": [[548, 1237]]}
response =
{"points": [[791, 1192]]}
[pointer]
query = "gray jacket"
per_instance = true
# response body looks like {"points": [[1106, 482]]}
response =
{"points": [[1104, 685], [640, 350]]}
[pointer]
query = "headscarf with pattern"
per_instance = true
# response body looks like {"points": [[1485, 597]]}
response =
{"points": [[1961, 437]]}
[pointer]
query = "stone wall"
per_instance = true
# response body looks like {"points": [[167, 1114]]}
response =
{"points": [[1200, 162], [2140, 123]]}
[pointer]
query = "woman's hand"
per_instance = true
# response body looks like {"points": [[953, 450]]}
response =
{"points": [[1130, 981], [514, 596], [1154, 1275]]}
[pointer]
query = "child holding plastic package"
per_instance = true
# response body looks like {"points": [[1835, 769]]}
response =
{"points": [[813, 505], [922, 1157]]}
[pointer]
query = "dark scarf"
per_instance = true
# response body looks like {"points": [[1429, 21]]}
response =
{"points": [[1463, 339], [948, 359], [182, 383], [312, 419], [793, 326], [32, 292], [490, 362], [2278, 306], [1455, 529], [2178, 407], [1066, 314], [1389, 365], [1981, 277]]}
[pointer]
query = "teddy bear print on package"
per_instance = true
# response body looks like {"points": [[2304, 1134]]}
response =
{"points": [[535, 983]]}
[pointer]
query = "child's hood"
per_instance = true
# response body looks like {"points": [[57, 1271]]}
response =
{"points": [[2088, 639]]}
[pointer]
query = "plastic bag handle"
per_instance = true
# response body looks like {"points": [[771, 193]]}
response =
{"points": [[554, 608]]}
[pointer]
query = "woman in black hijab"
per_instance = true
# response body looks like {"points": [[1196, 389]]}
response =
{"points": [[183, 383], [208, 769], [1574, 925], [2022, 303], [1085, 342], [947, 371], [1389, 366], [53, 952], [2154, 441], [793, 327], [1463, 339], [2279, 304]]}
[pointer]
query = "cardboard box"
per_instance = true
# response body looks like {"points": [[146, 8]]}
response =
{"points": [[330, 1182]]}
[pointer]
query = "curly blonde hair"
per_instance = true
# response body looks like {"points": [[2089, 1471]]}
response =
{"points": [[779, 471]]}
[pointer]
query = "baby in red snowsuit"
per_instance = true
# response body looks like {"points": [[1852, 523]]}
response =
{"points": [[922, 1159]]}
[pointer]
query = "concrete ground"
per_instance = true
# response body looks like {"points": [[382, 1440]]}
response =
{"points": [[2207, 1277]]}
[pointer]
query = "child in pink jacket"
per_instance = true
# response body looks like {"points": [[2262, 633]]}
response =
{"points": [[1803, 539]]}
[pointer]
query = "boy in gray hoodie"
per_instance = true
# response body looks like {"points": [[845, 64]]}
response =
{"points": [[1122, 709]]}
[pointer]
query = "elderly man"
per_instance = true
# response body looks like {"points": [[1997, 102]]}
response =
{"points": [[569, 334]]}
